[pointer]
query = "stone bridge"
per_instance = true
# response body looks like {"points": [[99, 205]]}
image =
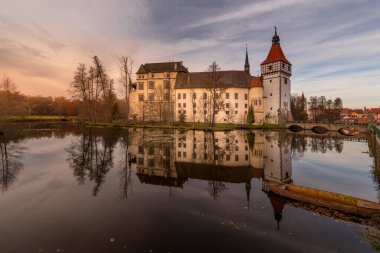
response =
{"points": [[329, 126]]}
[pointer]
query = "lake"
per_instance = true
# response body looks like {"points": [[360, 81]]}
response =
{"points": [[68, 188]]}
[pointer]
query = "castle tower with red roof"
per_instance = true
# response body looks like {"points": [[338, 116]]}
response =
{"points": [[276, 71]]}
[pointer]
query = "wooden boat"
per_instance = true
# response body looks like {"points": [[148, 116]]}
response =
{"points": [[330, 200], [349, 131]]}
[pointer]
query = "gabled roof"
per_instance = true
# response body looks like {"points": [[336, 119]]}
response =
{"points": [[256, 82], [161, 67], [228, 79], [275, 54]]}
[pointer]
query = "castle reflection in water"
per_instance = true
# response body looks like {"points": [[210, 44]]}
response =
{"points": [[231, 157]]}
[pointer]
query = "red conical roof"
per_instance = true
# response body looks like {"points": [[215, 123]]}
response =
{"points": [[275, 54]]}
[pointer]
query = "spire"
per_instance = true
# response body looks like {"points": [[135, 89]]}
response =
{"points": [[248, 190], [276, 38], [246, 65]]}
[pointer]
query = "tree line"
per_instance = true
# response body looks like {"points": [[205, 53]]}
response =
{"points": [[316, 108], [14, 103]]}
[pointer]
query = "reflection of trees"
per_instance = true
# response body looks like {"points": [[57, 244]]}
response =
{"points": [[215, 188], [11, 154], [91, 155], [316, 144], [125, 172]]}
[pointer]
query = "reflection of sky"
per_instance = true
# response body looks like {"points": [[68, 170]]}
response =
{"points": [[46, 209], [346, 173]]}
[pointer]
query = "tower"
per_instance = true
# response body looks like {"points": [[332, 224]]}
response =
{"points": [[276, 71], [246, 65]]}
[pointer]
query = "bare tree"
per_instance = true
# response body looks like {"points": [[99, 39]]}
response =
{"points": [[8, 85], [126, 79], [215, 90], [193, 97]]}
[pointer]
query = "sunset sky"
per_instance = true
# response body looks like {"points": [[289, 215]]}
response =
{"points": [[334, 46]]}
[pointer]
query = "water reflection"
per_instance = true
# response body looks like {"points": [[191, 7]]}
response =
{"points": [[11, 152], [91, 155]]}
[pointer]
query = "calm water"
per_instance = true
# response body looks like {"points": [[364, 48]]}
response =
{"points": [[74, 189]]}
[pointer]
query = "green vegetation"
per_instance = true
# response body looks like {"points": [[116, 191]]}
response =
{"points": [[182, 126], [35, 118]]}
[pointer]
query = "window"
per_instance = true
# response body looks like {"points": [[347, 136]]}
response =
{"points": [[283, 65], [227, 95], [195, 112], [141, 97], [228, 157], [140, 161], [204, 105], [237, 148], [270, 67], [151, 85], [227, 105], [141, 86], [179, 154], [141, 150], [236, 105], [246, 157], [179, 95], [151, 151], [270, 94], [194, 95], [236, 157], [184, 95], [286, 80], [227, 112], [204, 95], [236, 96], [166, 84], [166, 97], [179, 144], [184, 154], [246, 96], [194, 105], [179, 105], [235, 112], [245, 105], [184, 105], [152, 75], [151, 96]]}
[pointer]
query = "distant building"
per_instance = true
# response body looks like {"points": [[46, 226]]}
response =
{"points": [[169, 92]]}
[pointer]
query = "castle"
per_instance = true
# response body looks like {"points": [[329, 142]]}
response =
{"points": [[168, 92]]}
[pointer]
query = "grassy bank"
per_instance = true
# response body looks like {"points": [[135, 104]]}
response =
{"points": [[122, 123], [36, 118], [184, 126]]}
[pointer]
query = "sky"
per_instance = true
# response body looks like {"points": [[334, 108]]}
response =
{"points": [[334, 46]]}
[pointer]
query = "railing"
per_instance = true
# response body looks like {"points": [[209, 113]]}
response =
{"points": [[341, 123], [376, 129]]}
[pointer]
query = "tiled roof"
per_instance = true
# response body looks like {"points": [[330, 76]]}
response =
{"points": [[256, 82], [228, 79], [161, 67], [275, 54]]}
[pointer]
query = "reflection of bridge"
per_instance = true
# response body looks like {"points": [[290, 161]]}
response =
{"points": [[330, 126]]}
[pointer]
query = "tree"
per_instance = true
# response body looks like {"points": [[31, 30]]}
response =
{"points": [[125, 79], [95, 89], [313, 105], [215, 90], [250, 116], [338, 106]]}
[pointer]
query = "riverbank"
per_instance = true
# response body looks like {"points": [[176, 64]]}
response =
{"points": [[123, 124], [183, 126]]}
